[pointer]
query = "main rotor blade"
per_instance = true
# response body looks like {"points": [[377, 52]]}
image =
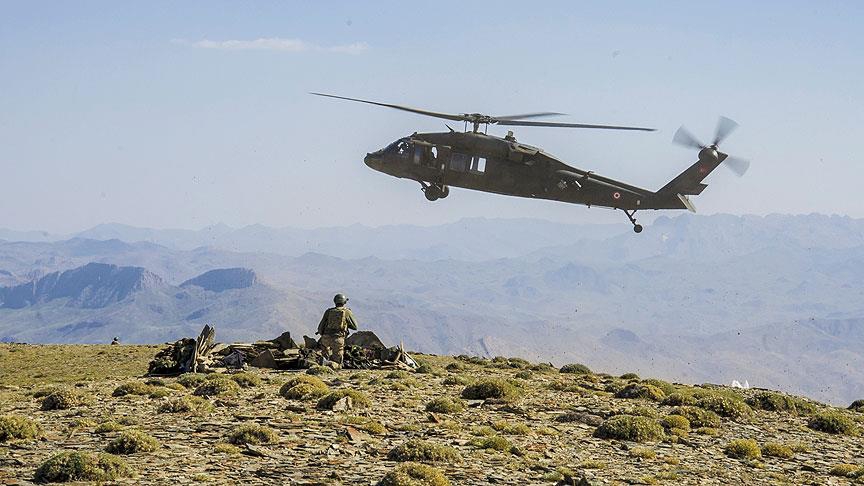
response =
{"points": [[725, 126], [528, 115], [516, 123], [736, 165], [685, 138], [445, 116]]}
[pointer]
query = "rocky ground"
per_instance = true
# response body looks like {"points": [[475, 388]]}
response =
{"points": [[539, 427]]}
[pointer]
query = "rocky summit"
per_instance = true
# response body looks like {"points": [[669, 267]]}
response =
{"points": [[88, 413]]}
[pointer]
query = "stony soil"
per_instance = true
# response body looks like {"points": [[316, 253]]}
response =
{"points": [[313, 447]]}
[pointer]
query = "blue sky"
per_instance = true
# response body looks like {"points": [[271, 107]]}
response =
{"points": [[184, 114]]}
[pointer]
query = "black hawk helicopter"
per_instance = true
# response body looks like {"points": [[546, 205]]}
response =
{"points": [[474, 160]]}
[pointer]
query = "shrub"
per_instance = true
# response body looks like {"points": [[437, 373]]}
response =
{"points": [[677, 399], [667, 387], [81, 466], [833, 422], [641, 390], [511, 428], [13, 427], [629, 427], [132, 441], [358, 398], [156, 382], [246, 380], [303, 387], [192, 405], [318, 370], [846, 470], [494, 442], [641, 411], [698, 417], [643, 453], [707, 431], [107, 427], [132, 388], [457, 380], [575, 368], [679, 422], [724, 406], [366, 424], [524, 375], [774, 449], [226, 448], [192, 380], [445, 405], [63, 399], [629, 376], [397, 375], [743, 449], [217, 387], [496, 389], [414, 474], [778, 402], [252, 434], [455, 366], [857, 405], [423, 451]]}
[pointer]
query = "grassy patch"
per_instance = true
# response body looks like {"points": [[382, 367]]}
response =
{"points": [[677, 399], [246, 380], [226, 448], [575, 368], [494, 389], [724, 405], [517, 428], [14, 427], [217, 387], [304, 387], [319, 370], [418, 450], [132, 388], [192, 380], [192, 405], [775, 449], [847, 471], [358, 398], [71, 363], [643, 453], [81, 466], [366, 424], [743, 449], [252, 434], [64, 398], [414, 474], [641, 390], [494, 442], [833, 422], [628, 427], [665, 386], [461, 380], [445, 405], [698, 417], [108, 426], [132, 441], [779, 402]]}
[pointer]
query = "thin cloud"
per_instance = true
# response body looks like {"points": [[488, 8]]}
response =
{"points": [[274, 44]]}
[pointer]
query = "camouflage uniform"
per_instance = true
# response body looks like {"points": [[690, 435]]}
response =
{"points": [[332, 340]]}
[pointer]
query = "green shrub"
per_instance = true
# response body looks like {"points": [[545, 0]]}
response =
{"points": [[494, 442], [707, 431], [641, 390], [495, 389], [543, 368], [192, 405], [743, 449], [455, 366], [64, 398], [425, 368], [132, 388], [724, 406], [81, 466], [524, 375], [318, 370], [629, 427], [846, 471], [857, 406], [414, 474], [511, 428], [397, 375], [575, 368], [358, 399], [643, 453], [132, 441], [629, 376], [445, 405], [833, 422], [246, 380], [226, 448], [677, 399], [774, 449], [156, 382], [252, 434], [679, 422], [665, 386], [107, 427], [778, 402], [217, 387], [698, 417], [457, 380], [366, 424], [423, 451], [304, 387], [14, 427], [192, 380]]}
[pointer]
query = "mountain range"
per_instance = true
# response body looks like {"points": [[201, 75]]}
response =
{"points": [[777, 300]]}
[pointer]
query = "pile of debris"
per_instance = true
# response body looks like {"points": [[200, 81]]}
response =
{"points": [[363, 350]]}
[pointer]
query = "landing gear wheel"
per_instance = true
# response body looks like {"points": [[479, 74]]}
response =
{"points": [[431, 193], [637, 228], [434, 192], [631, 215]]}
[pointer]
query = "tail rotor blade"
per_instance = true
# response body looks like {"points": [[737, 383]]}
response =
{"points": [[736, 165], [725, 126], [685, 138]]}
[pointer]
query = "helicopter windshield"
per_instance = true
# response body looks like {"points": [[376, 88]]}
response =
{"points": [[400, 147]]}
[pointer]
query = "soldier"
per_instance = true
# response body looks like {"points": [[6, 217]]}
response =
{"points": [[333, 329]]}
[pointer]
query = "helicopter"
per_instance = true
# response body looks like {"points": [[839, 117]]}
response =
{"points": [[472, 159]]}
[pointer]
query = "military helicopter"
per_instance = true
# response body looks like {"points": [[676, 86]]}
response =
{"points": [[472, 159]]}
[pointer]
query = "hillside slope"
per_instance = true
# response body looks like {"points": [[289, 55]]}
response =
{"points": [[547, 425]]}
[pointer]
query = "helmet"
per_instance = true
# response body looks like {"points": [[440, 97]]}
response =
{"points": [[340, 299]]}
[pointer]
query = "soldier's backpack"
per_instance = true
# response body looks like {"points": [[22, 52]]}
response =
{"points": [[337, 323]]}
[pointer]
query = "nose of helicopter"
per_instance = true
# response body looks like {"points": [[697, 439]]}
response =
{"points": [[373, 161]]}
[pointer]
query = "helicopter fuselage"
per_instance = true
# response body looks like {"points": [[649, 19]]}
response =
{"points": [[474, 160]]}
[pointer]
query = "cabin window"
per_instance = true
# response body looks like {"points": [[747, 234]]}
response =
{"points": [[458, 162], [418, 154], [478, 165]]}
